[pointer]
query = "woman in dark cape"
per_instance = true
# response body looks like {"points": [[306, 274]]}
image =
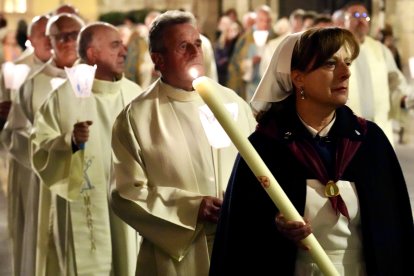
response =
{"points": [[314, 146]]}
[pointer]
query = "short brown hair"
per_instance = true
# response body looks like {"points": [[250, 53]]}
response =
{"points": [[317, 45]]}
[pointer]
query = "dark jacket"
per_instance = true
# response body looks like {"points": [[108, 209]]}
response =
{"points": [[247, 238]]}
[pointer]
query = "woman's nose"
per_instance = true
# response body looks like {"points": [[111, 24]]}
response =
{"points": [[344, 71]]}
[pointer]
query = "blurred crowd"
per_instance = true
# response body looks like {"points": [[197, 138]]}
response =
{"points": [[240, 55]]}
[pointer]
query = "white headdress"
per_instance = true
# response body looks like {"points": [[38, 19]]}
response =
{"points": [[276, 83]]}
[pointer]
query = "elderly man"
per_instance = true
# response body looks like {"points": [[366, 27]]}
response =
{"points": [[22, 197], [169, 179], [61, 32], [377, 88], [72, 156]]}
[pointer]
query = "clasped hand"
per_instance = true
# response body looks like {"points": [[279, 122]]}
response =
{"points": [[409, 101], [210, 209], [80, 132], [293, 230]]}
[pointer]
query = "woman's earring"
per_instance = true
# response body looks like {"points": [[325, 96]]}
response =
{"points": [[302, 94]]}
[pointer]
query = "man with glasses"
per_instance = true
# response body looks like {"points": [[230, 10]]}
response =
{"points": [[63, 30], [377, 88], [60, 30]]}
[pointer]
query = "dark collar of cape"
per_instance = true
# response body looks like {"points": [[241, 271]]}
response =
{"points": [[281, 122]]}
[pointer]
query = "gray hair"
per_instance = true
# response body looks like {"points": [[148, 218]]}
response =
{"points": [[36, 20], [296, 14], [86, 36], [162, 23], [56, 21]]}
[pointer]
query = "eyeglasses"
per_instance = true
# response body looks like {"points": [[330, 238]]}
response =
{"points": [[66, 37], [360, 15]]}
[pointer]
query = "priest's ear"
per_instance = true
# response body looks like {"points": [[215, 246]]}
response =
{"points": [[92, 55], [158, 61]]}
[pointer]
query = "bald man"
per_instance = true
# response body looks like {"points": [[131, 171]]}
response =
{"points": [[73, 158]]}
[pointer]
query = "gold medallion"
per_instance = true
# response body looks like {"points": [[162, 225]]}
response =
{"points": [[331, 190]]}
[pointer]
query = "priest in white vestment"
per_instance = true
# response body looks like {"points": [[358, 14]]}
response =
{"points": [[72, 155], [377, 88], [23, 196], [210, 66], [171, 169], [19, 126]]}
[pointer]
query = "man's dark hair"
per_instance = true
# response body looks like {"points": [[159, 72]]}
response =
{"points": [[162, 23]]}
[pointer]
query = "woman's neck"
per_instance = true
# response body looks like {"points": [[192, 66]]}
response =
{"points": [[317, 119]]}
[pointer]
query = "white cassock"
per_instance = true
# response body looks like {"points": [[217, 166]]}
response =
{"points": [[22, 182], [86, 238], [210, 66], [164, 165], [370, 93]]}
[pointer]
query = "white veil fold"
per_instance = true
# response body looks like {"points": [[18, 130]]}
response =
{"points": [[276, 83]]}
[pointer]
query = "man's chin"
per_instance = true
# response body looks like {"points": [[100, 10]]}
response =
{"points": [[117, 75], [198, 67]]}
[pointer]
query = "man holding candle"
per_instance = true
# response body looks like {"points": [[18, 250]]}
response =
{"points": [[90, 239], [169, 178], [16, 134], [346, 181]]}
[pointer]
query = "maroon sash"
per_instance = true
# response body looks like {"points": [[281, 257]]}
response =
{"points": [[345, 151]]}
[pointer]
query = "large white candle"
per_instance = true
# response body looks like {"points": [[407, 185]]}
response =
{"points": [[208, 90]]}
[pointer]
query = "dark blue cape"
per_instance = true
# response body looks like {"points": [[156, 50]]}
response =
{"points": [[247, 239]]}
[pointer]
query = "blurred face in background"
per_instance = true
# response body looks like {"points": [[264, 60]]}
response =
{"points": [[357, 21], [263, 21], [39, 40], [233, 31], [63, 36]]}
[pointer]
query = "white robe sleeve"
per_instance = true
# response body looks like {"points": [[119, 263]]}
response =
{"points": [[15, 135], [59, 169], [164, 215]]}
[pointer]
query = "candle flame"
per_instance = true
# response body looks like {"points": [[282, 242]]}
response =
{"points": [[193, 72]]}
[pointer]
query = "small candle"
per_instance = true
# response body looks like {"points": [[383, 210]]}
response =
{"points": [[81, 78], [209, 90]]}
